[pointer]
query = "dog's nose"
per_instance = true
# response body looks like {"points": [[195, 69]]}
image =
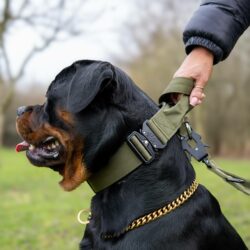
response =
{"points": [[21, 110]]}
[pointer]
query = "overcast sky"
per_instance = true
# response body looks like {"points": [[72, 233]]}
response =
{"points": [[101, 40]]}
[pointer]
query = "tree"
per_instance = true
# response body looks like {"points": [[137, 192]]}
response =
{"points": [[223, 119], [50, 20]]}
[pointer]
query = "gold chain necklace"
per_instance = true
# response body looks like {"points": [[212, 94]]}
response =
{"points": [[158, 213]]}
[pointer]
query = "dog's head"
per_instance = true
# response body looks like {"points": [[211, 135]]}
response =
{"points": [[82, 122]]}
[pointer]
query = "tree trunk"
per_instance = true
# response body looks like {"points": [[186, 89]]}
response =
{"points": [[6, 100], [1, 127]]}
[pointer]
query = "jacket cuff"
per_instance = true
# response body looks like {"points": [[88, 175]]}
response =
{"points": [[195, 41]]}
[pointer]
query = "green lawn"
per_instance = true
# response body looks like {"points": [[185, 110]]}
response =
{"points": [[36, 214]]}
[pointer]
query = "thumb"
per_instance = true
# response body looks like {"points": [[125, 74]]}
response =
{"points": [[197, 94]]}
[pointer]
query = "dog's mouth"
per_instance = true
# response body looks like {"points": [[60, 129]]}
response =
{"points": [[49, 146], [49, 153]]}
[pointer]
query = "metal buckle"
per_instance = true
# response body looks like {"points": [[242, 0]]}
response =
{"points": [[199, 151], [151, 137], [145, 143], [148, 140]]}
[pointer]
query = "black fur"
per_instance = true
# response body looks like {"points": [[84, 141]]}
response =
{"points": [[107, 107], [105, 121]]}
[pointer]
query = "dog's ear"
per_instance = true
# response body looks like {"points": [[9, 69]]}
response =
{"points": [[88, 80]]}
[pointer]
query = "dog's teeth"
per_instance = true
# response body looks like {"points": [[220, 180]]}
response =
{"points": [[31, 147], [57, 143], [56, 155], [48, 147], [53, 146], [48, 139]]}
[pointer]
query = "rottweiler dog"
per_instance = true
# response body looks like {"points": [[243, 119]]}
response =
{"points": [[91, 108]]}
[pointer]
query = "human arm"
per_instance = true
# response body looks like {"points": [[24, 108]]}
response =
{"points": [[215, 26], [198, 65]]}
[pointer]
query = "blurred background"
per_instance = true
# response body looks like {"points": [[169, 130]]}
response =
{"points": [[39, 38]]}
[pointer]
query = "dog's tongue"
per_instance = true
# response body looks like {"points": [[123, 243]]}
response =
{"points": [[22, 146]]}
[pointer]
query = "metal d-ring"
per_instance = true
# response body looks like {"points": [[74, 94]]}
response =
{"points": [[84, 222], [189, 130]]}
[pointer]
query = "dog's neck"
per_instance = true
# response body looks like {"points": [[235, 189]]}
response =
{"points": [[114, 121], [148, 188]]}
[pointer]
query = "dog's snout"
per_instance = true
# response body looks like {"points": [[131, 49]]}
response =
{"points": [[21, 110]]}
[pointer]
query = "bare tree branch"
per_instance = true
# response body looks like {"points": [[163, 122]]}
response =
{"points": [[6, 10], [46, 43], [50, 20], [23, 7], [39, 19], [6, 18]]}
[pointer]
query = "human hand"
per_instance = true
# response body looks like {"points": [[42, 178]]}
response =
{"points": [[198, 65]]}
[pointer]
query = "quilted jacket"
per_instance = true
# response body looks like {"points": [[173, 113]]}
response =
{"points": [[217, 25]]}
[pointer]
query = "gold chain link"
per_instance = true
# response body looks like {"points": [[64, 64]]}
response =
{"points": [[158, 213]]}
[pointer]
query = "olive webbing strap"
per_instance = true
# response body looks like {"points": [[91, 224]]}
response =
{"points": [[138, 148], [164, 125], [193, 146], [121, 164], [237, 182], [168, 120]]}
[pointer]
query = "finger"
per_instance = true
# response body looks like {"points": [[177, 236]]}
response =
{"points": [[196, 96], [197, 93], [199, 87]]}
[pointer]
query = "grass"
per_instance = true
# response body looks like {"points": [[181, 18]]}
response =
{"points": [[36, 214], [234, 204], [34, 211]]}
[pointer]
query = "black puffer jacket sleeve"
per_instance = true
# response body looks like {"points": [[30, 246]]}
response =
{"points": [[217, 25]]}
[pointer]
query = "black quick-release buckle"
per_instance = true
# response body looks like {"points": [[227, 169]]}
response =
{"points": [[147, 132], [198, 148], [145, 143], [141, 146]]}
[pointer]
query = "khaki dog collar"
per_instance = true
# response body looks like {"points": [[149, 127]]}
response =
{"points": [[140, 146]]}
